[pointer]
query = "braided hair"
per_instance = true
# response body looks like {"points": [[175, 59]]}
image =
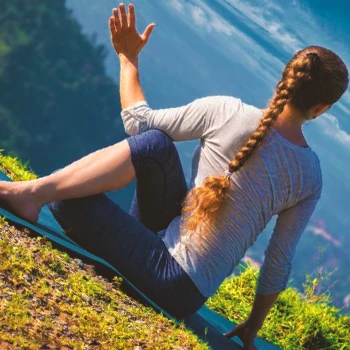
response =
{"points": [[314, 75]]}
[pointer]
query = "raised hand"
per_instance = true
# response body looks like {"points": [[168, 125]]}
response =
{"points": [[125, 38]]}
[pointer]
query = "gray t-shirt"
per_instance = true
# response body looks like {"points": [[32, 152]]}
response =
{"points": [[280, 178]]}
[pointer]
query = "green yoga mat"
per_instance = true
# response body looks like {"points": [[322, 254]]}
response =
{"points": [[207, 324]]}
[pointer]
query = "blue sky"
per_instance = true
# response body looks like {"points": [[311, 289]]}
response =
{"points": [[239, 48]]}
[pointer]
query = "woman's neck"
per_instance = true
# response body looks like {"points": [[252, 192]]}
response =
{"points": [[289, 125]]}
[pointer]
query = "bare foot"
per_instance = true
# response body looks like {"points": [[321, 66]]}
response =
{"points": [[17, 198]]}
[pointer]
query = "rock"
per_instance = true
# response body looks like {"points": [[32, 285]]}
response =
{"points": [[80, 263], [27, 278], [86, 298]]}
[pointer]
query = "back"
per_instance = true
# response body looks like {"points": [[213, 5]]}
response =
{"points": [[280, 178], [279, 175]]}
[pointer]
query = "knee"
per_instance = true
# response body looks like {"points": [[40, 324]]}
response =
{"points": [[163, 146], [159, 145], [159, 137]]}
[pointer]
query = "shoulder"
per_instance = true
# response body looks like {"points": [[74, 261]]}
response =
{"points": [[218, 98], [218, 110], [219, 101]]}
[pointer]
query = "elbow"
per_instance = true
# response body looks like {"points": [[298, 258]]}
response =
{"points": [[135, 119], [270, 290], [131, 129], [273, 279], [131, 125]]}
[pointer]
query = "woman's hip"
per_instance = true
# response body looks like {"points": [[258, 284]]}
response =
{"points": [[163, 280]]}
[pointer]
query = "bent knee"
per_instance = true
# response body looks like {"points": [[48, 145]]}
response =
{"points": [[157, 136], [155, 144]]}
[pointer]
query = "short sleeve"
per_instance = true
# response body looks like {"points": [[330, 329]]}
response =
{"points": [[289, 227], [196, 120]]}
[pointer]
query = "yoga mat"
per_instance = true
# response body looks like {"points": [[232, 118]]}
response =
{"points": [[207, 324]]}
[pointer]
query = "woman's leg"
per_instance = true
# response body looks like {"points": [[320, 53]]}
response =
{"points": [[160, 181], [102, 227], [104, 170], [106, 230]]}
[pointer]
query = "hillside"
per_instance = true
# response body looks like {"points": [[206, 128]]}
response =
{"points": [[56, 105], [50, 299]]}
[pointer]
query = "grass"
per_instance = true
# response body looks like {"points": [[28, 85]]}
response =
{"points": [[15, 169], [50, 300], [294, 322]]}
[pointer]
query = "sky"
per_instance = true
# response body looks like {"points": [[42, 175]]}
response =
{"points": [[239, 48]]}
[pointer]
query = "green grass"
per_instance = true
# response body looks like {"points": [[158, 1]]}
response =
{"points": [[294, 322], [15, 169], [48, 298]]}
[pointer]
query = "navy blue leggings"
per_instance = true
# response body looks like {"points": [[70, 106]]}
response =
{"points": [[129, 241]]}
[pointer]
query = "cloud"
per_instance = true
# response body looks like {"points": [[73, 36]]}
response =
{"points": [[208, 19], [265, 18], [176, 4], [347, 301], [286, 30], [291, 30], [329, 125], [254, 263], [230, 40], [205, 16], [346, 97], [343, 107], [319, 229]]}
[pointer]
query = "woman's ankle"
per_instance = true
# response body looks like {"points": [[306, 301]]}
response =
{"points": [[36, 190]]}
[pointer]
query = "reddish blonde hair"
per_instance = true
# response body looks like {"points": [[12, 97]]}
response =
{"points": [[314, 75]]}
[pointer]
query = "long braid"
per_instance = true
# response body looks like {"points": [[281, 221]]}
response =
{"points": [[298, 72], [202, 204]]}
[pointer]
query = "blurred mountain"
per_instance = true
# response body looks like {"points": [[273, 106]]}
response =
{"points": [[56, 102]]}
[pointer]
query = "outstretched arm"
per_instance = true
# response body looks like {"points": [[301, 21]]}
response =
{"points": [[198, 119], [275, 270], [248, 330], [130, 86], [128, 43]]}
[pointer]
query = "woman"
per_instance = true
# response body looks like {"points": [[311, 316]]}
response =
{"points": [[179, 256]]}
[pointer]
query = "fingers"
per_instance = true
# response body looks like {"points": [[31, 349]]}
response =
{"points": [[114, 24], [124, 20], [146, 34], [248, 340], [116, 19], [231, 333], [112, 27], [132, 17]]}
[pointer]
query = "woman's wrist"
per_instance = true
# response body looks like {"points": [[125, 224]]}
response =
{"points": [[125, 60], [254, 324]]}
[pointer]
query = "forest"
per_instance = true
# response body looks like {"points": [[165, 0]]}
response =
{"points": [[56, 100]]}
